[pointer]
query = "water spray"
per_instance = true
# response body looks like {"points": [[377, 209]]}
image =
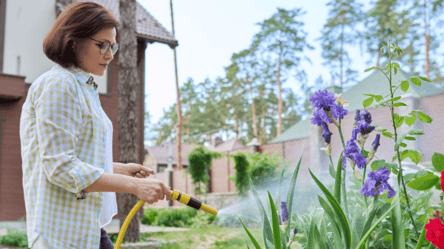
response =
{"points": [[175, 195]]}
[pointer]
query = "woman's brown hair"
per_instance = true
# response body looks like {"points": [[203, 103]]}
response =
{"points": [[76, 22]]}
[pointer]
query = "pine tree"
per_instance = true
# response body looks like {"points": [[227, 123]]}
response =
{"points": [[338, 32], [282, 40]]}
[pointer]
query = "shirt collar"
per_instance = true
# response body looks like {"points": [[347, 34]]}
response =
{"points": [[82, 76]]}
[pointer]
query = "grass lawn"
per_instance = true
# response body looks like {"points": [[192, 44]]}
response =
{"points": [[208, 237]]}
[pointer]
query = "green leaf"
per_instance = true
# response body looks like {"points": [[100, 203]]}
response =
{"points": [[268, 233], [345, 228], [378, 164], [415, 132], [332, 170], [387, 134], [410, 119], [399, 122], [423, 117], [338, 179], [410, 138], [290, 194], [251, 236], [425, 79], [424, 182], [398, 241], [421, 173], [416, 81], [396, 64], [405, 85], [369, 69], [422, 238], [398, 104], [394, 99], [331, 215], [370, 231], [367, 102], [396, 70], [414, 156], [438, 161], [378, 98], [275, 222]]}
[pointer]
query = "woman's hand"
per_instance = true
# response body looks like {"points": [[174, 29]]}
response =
{"points": [[133, 169], [151, 190]]}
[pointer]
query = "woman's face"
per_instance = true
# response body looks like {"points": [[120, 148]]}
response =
{"points": [[88, 52]]}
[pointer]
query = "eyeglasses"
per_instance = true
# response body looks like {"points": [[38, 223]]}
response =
{"points": [[105, 46]]}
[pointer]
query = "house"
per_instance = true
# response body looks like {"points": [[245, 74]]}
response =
{"points": [[23, 26], [157, 157], [305, 139]]}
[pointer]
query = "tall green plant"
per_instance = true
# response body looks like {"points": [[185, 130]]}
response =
{"points": [[200, 162]]}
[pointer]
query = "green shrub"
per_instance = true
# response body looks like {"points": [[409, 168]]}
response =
{"points": [[149, 216], [174, 217], [14, 237]]}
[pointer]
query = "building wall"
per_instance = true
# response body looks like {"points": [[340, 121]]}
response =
{"points": [[433, 140], [23, 50]]}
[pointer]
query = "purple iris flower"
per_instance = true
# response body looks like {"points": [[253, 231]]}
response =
{"points": [[353, 152], [326, 134], [375, 143], [377, 181], [280, 220], [364, 127], [357, 115], [324, 101], [319, 117], [284, 211], [295, 231], [366, 116], [321, 99]]}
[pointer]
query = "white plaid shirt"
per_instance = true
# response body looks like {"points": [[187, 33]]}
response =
{"points": [[63, 151]]}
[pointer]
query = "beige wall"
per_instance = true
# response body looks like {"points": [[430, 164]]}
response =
{"points": [[27, 22]]}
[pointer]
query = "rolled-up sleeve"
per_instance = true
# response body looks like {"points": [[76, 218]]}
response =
{"points": [[58, 120]]}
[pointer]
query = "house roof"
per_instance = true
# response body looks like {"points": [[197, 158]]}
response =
{"points": [[375, 83], [147, 26], [227, 146], [160, 153]]}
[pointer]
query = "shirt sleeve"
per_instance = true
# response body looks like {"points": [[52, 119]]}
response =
{"points": [[58, 118]]}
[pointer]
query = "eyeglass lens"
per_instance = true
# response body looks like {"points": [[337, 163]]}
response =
{"points": [[106, 45]]}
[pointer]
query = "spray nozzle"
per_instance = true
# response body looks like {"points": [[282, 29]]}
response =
{"points": [[192, 202]]}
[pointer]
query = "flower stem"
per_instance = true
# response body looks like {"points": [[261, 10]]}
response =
{"points": [[400, 176], [340, 134], [344, 192]]}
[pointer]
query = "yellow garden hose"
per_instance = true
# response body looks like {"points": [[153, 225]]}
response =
{"points": [[175, 195]]}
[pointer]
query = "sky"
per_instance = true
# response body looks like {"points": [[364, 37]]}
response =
{"points": [[210, 31]]}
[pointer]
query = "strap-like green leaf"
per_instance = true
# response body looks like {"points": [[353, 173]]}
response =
{"points": [[268, 233], [275, 222], [250, 235], [367, 234], [338, 180], [338, 211], [290, 195]]}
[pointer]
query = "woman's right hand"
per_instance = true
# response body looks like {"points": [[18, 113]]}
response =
{"points": [[151, 190]]}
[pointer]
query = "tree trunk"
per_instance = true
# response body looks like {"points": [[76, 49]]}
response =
{"points": [[127, 119], [341, 52], [253, 108], [236, 129], [427, 41], [178, 106], [280, 105]]}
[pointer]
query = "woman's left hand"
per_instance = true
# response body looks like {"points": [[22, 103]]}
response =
{"points": [[133, 169]]}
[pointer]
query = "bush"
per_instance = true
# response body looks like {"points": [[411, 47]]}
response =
{"points": [[177, 217], [149, 216], [14, 237]]}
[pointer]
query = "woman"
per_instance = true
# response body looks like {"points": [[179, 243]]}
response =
{"points": [[69, 177]]}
